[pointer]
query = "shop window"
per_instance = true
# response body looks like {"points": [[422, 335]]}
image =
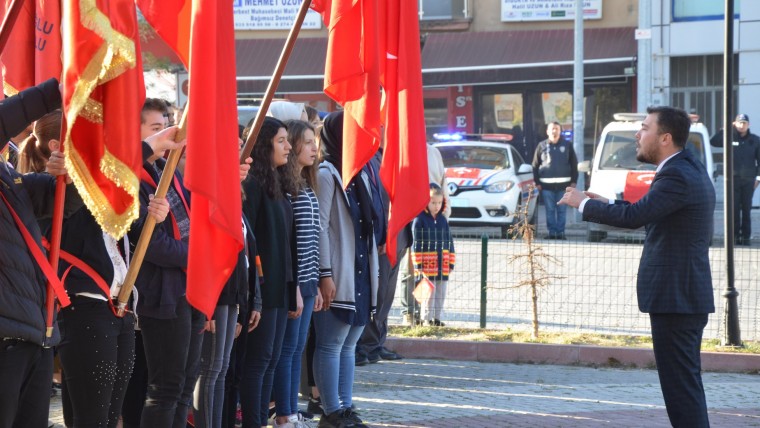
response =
{"points": [[690, 10], [696, 85], [431, 10], [436, 116]]}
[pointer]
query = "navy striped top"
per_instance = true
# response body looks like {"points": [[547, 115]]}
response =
{"points": [[306, 213]]}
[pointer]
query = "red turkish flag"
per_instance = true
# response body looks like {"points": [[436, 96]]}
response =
{"points": [[171, 19], [103, 94], [352, 76], [202, 34], [33, 52], [404, 177]]}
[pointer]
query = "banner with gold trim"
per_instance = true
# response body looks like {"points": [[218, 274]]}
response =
{"points": [[33, 52], [103, 94]]}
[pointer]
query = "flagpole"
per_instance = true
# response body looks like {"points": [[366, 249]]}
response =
{"points": [[55, 248], [8, 21], [150, 223], [278, 71]]}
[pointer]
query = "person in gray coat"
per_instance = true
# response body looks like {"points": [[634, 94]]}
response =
{"points": [[348, 277]]}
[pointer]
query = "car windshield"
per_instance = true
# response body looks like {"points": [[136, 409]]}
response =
{"points": [[474, 157], [619, 151]]}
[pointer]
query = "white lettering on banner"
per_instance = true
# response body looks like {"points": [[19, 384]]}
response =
{"points": [[547, 10], [461, 101], [461, 121], [272, 15]]}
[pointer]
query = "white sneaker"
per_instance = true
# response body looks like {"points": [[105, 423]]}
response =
{"points": [[284, 425], [299, 422]]}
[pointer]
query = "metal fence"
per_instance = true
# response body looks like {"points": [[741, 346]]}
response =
{"points": [[594, 289]]}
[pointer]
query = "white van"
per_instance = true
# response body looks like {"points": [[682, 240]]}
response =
{"points": [[616, 174]]}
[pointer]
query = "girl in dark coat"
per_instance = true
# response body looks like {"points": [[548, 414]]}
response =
{"points": [[270, 214]]}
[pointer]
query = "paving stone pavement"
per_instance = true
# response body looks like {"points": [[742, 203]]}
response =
{"points": [[436, 393]]}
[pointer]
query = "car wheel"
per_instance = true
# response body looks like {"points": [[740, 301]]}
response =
{"points": [[505, 233], [596, 235]]}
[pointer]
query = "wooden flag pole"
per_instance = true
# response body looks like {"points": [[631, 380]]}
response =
{"points": [[171, 163], [281, 63], [8, 21], [150, 223], [55, 248]]}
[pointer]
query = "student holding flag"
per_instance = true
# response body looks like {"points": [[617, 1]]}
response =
{"points": [[26, 356]]}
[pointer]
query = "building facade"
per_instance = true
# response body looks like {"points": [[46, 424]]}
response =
{"points": [[687, 57]]}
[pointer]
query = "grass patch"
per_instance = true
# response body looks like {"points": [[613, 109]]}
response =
{"points": [[558, 338]]}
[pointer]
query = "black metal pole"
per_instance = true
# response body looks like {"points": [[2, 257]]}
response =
{"points": [[483, 280], [731, 334]]}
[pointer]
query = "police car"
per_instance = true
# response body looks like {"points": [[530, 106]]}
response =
{"points": [[487, 180], [616, 174]]}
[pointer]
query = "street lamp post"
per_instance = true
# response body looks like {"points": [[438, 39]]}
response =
{"points": [[731, 334]]}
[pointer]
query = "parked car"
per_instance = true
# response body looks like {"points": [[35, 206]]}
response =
{"points": [[246, 113], [487, 181], [616, 174]]}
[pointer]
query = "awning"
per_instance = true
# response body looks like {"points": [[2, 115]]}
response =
{"points": [[472, 58], [257, 58], [524, 56]]}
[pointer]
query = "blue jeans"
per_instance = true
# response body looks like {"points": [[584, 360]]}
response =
{"points": [[287, 375], [555, 214], [215, 358], [262, 353], [334, 360]]}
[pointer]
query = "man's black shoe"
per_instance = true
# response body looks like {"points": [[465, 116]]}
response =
{"points": [[361, 360], [373, 358], [389, 355]]}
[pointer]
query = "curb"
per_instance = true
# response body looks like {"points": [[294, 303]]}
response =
{"points": [[538, 353]]}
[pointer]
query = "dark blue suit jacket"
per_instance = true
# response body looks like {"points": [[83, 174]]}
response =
{"points": [[674, 272]]}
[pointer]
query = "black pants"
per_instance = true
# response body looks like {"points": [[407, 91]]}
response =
{"points": [[408, 302], [311, 346], [26, 376], [172, 349], [261, 357], [373, 337], [97, 353], [233, 379], [744, 188], [137, 388], [677, 339]]}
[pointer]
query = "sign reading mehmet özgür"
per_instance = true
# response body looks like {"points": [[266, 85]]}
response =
{"points": [[272, 15], [547, 10]]}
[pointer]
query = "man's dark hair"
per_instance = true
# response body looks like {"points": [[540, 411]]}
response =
{"points": [[153, 104], [673, 121]]}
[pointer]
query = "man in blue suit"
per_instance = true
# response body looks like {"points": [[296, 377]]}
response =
{"points": [[674, 282]]}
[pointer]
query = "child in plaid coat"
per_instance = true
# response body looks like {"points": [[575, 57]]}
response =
{"points": [[433, 253]]}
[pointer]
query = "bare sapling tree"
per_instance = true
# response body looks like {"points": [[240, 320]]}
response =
{"points": [[532, 262]]}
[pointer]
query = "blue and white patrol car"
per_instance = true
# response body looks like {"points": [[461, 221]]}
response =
{"points": [[487, 180]]}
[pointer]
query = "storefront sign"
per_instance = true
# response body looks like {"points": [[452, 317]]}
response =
{"points": [[272, 15], [547, 10], [460, 106]]}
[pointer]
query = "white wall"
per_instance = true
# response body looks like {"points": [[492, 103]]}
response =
{"points": [[672, 39]]}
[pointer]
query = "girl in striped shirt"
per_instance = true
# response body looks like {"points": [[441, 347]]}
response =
{"points": [[299, 179]]}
